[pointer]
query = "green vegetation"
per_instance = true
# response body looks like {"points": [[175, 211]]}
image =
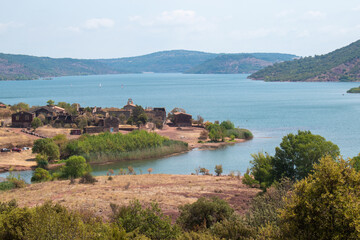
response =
{"points": [[118, 147], [75, 167], [294, 159], [218, 131], [149, 222], [20, 107], [47, 147], [354, 90], [138, 116], [239, 63], [12, 182], [36, 123], [204, 213], [339, 65], [22, 67], [40, 175], [218, 170]]}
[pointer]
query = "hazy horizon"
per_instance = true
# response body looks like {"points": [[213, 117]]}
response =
{"points": [[115, 29]]}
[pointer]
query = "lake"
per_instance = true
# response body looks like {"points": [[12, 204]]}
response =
{"points": [[269, 110]]}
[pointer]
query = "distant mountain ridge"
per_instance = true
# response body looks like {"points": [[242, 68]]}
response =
{"points": [[340, 65], [23, 67], [239, 63]]}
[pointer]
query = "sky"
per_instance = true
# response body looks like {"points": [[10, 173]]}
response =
{"points": [[117, 28]]}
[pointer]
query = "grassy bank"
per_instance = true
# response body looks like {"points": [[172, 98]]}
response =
{"points": [[136, 145]]}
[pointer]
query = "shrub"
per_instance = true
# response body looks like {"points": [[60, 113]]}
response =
{"points": [[234, 228], [47, 147], [148, 221], [262, 169], [75, 167], [216, 133], [204, 171], [40, 175], [6, 186], [197, 236], [204, 135], [42, 161], [249, 181], [150, 170], [227, 125], [218, 170], [87, 178], [203, 213], [16, 181], [36, 123]]}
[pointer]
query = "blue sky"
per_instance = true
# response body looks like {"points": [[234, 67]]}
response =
{"points": [[110, 28]]}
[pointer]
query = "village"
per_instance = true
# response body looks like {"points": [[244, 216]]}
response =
{"points": [[20, 129]]}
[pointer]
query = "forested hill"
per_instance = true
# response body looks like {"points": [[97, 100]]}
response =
{"points": [[23, 67], [340, 65], [239, 63]]}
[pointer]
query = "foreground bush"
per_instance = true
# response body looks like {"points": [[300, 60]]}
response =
{"points": [[148, 221], [204, 213], [325, 205]]}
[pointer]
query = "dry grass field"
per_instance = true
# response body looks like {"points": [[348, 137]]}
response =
{"points": [[23, 160], [11, 137], [170, 191]]}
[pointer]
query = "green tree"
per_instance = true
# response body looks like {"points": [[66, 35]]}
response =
{"points": [[325, 205], [355, 163], [36, 123], [47, 147], [148, 221], [227, 125], [75, 167], [40, 175], [261, 169], [297, 154], [42, 161], [216, 133], [20, 107], [50, 102], [218, 170], [138, 116], [204, 213]]}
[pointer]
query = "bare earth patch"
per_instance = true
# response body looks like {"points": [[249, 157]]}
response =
{"points": [[170, 191], [18, 161]]}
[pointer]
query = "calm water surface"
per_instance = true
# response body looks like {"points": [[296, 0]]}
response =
{"points": [[269, 110]]}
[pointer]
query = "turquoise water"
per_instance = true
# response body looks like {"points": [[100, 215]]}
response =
{"points": [[269, 110]]}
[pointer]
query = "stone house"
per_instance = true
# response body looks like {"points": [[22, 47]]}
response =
{"points": [[130, 105], [182, 119], [22, 119]]}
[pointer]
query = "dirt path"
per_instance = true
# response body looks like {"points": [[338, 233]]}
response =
{"points": [[170, 191]]}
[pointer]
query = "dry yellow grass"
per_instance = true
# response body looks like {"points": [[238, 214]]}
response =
{"points": [[170, 191], [9, 138], [50, 132]]}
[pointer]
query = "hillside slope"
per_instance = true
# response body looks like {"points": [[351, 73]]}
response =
{"points": [[239, 63], [340, 65]]}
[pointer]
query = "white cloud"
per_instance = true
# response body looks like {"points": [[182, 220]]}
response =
{"points": [[314, 14], [6, 26], [92, 24], [96, 23], [175, 18]]}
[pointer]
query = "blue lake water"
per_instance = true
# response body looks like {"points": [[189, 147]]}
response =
{"points": [[269, 110]]}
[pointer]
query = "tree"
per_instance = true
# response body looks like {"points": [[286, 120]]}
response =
{"points": [[36, 123], [204, 213], [75, 167], [227, 125], [325, 205], [216, 133], [262, 169], [138, 116], [50, 102], [40, 175], [20, 107], [47, 147], [355, 163], [297, 154], [218, 170]]}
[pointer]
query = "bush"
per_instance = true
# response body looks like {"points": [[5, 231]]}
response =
{"points": [[239, 133], [6, 186], [148, 221], [16, 181], [42, 161], [87, 178], [75, 167], [234, 228], [218, 170], [40, 175], [203, 213], [204, 171], [197, 236], [227, 125], [47, 147]]}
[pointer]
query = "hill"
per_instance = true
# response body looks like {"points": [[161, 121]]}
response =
{"points": [[239, 63], [340, 65], [23, 67], [354, 90]]}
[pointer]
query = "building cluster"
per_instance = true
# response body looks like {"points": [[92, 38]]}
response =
{"points": [[106, 119]]}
